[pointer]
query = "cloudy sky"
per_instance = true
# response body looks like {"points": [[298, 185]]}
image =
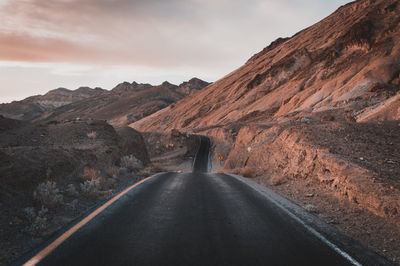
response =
{"points": [[45, 44]]}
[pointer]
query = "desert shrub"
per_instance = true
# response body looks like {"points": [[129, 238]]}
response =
{"points": [[91, 174], [311, 208], [112, 172], [247, 172], [30, 213], [73, 205], [277, 180], [48, 195], [90, 188], [92, 135], [38, 222], [94, 189], [71, 191], [93, 179], [131, 163]]}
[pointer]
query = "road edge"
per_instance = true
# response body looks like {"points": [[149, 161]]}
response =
{"points": [[352, 250]]}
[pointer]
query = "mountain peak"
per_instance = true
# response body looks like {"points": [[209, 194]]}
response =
{"points": [[125, 87]]}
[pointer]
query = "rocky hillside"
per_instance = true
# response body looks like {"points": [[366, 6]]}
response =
{"points": [[33, 107], [347, 65]]}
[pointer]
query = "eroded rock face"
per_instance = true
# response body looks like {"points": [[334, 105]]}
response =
{"points": [[327, 67], [358, 162]]}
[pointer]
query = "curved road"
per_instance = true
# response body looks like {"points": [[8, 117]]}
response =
{"points": [[193, 219]]}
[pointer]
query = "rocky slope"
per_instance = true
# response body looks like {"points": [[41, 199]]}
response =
{"points": [[33, 107], [347, 64]]}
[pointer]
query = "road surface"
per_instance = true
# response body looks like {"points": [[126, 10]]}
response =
{"points": [[193, 219]]}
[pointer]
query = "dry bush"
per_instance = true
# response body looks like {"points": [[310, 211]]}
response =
{"points": [[131, 163], [146, 171], [95, 189], [277, 180], [91, 174], [247, 172], [71, 191], [92, 135], [112, 172], [90, 188], [73, 205], [95, 185], [48, 195], [38, 222], [311, 208]]}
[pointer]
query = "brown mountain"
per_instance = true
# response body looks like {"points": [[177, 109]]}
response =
{"points": [[348, 65], [126, 103], [33, 107]]}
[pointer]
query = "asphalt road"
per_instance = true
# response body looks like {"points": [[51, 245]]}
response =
{"points": [[193, 219]]}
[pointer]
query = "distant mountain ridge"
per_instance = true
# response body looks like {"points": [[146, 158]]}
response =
{"points": [[34, 106], [119, 105]]}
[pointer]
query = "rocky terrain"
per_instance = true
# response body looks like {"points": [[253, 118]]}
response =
{"points": [[53, 172], [318, 113]]}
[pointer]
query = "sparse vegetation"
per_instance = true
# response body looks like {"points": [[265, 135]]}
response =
{"points": [[48, 195], [71, 191], [95, 185], [131, 163], [38, 222], [112, 172], [93, 189], [92, 135], [90, 188], [90, 174], [73, 205], [277, 180]]}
